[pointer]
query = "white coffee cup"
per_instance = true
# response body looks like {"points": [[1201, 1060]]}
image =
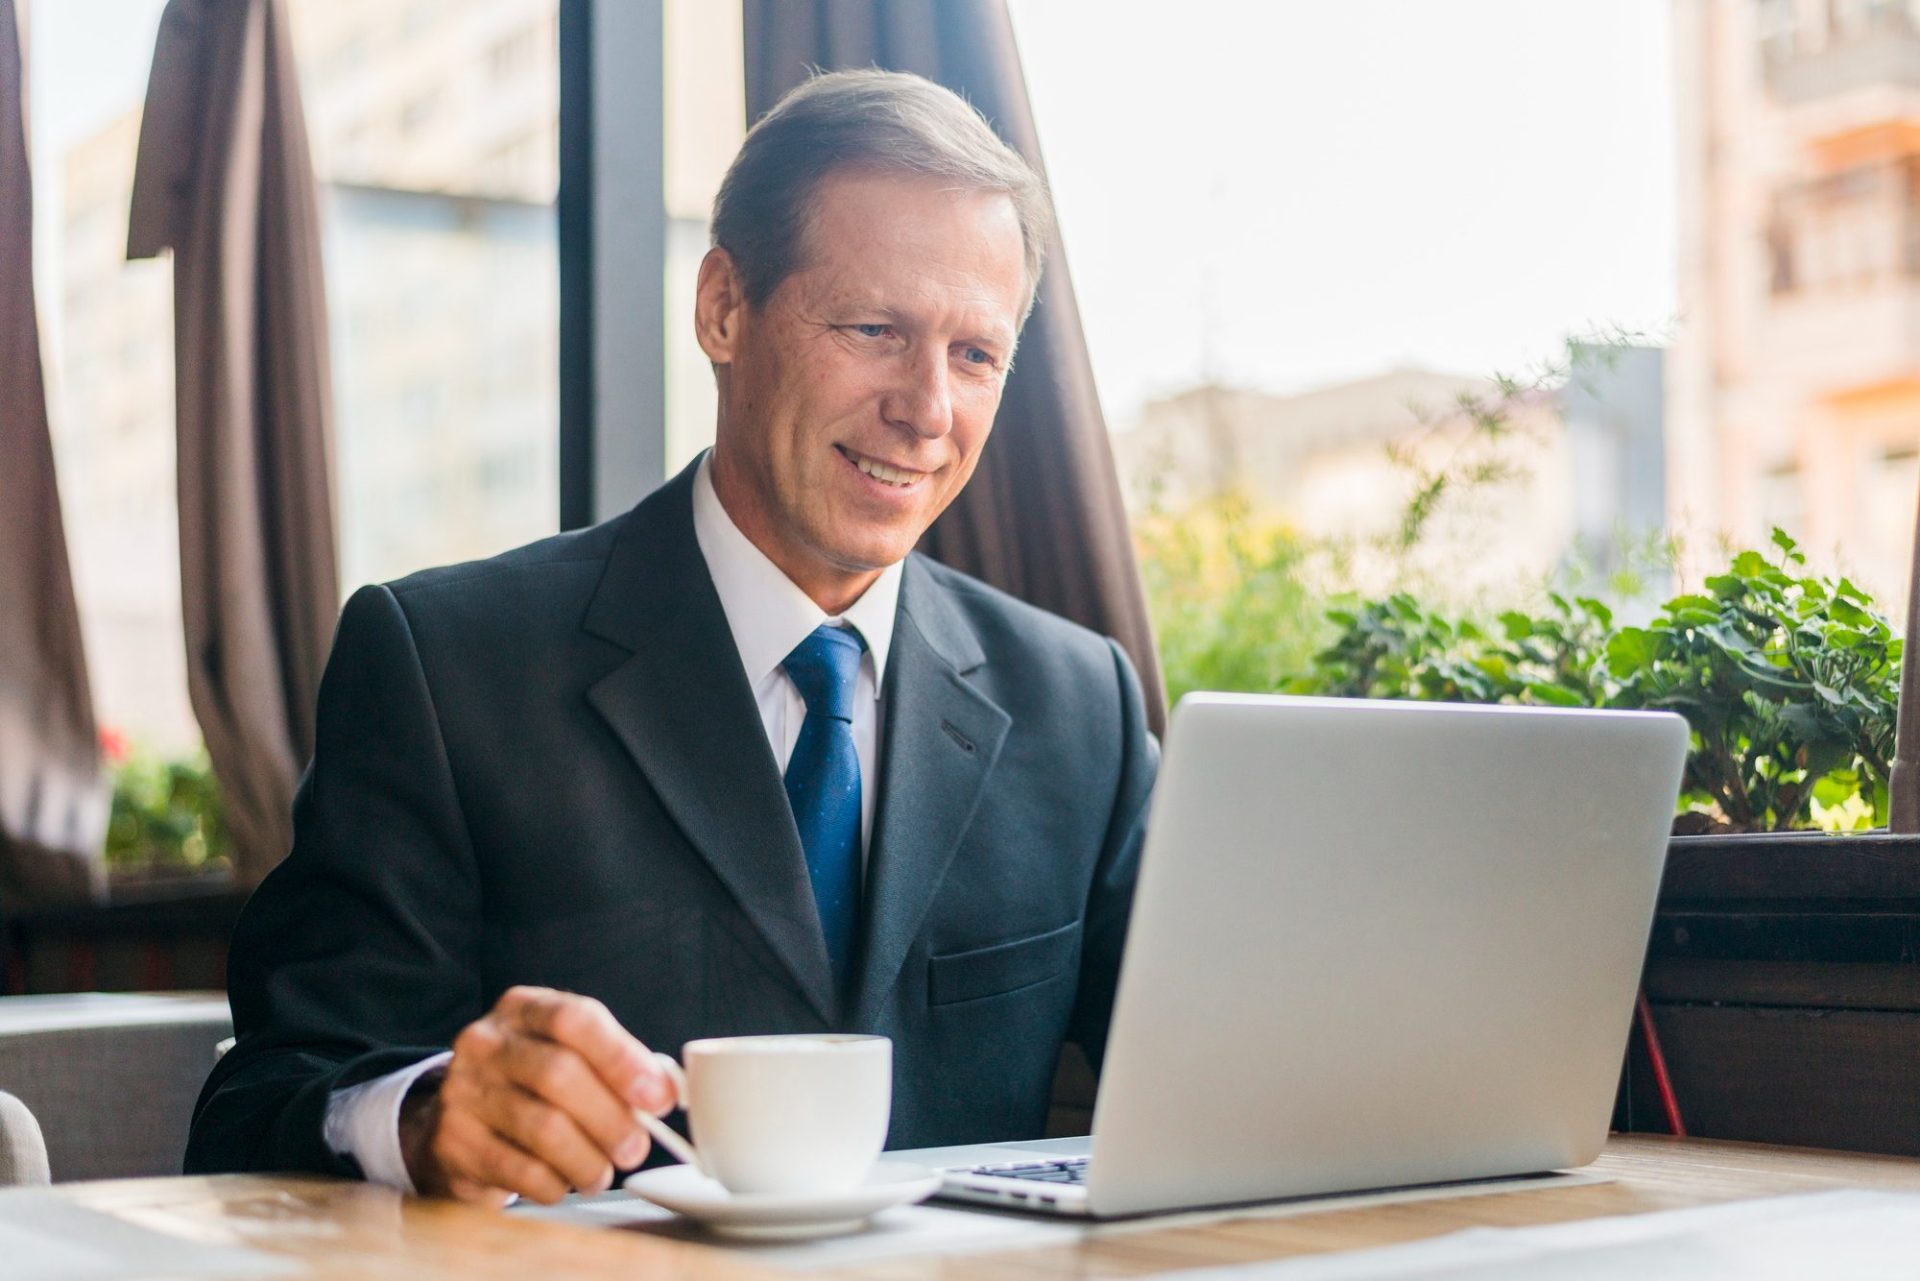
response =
{"points": [[802, 1113]]}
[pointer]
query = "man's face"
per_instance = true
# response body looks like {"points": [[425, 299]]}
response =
{"points": [[855, 401]]}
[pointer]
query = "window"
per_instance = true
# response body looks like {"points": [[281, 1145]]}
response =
{"points": [[436, 194], [442, 272], [108, 349], [1305, 258], [705, 122]]}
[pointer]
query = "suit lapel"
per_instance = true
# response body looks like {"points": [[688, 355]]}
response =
{"points": [[682, 707], [940, 739]]}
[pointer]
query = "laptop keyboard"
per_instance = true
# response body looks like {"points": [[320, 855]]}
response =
{"points": [[1070, 1171]]}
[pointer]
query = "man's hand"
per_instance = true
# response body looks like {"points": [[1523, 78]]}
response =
{"points": [[538, 1099]]}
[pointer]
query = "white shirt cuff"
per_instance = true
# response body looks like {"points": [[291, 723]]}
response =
{"points": [[363, 1122]]}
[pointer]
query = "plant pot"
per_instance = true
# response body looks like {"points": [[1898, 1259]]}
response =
{"points": [[1784, 975]]}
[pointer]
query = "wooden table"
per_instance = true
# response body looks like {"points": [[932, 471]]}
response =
{"points": [[346, 1230]]}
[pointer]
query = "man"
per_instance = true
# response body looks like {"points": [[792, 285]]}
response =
{"points": [[735, 762]]}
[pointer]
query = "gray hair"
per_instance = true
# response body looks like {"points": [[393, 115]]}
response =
{"points": [[877, 121]]}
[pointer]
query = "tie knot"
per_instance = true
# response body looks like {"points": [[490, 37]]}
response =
{"points": [[824, 667]]}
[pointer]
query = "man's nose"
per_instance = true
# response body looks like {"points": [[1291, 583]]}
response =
{"points": [[922, 399]]}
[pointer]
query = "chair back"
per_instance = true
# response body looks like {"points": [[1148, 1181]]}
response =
{"points": [[23, 1152], [111, 1077]]}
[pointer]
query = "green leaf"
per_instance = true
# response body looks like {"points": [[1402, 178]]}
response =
{"points": [[1803, 721], [1554, 695], [1518, 626], [1787, 680], [1847, 612], [1728, 639], [1630, 650], [1837, 788]]}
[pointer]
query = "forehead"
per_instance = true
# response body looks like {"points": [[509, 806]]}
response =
{"points": [[899, 237]]}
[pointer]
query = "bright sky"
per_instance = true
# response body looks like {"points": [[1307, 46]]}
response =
{"points": [[87, 62], [1283, 193], [95, 55], [1303, 191]]}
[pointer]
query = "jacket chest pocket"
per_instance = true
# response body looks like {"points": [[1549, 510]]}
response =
{"points": [[1002, 968]]}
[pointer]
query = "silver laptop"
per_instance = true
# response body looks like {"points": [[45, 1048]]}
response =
{"points": [[1374, 944]]}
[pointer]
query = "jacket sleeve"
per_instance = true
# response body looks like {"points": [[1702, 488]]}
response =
{"points": [[359, 953], [1110, 899]]}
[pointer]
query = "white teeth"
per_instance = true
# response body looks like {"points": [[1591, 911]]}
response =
{"points": [[882, 472]]}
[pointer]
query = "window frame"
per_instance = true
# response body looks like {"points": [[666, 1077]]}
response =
{"points": [[613, 251]]}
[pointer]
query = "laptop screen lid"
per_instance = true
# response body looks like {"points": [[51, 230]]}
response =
{"points": [[1378, 944]]}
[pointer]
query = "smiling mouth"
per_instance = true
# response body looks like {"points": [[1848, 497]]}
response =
{"points": [[877, 470]]}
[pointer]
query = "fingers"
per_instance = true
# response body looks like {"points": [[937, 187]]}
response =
{"points": [[539, 1098], [562, 1078], [493, 1134], [586, 1027], [550, 1136], [483, 1166]]}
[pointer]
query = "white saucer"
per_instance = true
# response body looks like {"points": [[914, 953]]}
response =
{"points": [[783, 1216]]}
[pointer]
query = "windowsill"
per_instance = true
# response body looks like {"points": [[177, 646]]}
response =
{"points": [[1803, 866], [142, 900]]}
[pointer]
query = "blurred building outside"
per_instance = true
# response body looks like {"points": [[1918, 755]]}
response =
{"points": [[1586, 483], [1795, 397]]}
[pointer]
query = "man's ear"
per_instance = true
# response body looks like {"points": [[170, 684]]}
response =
{"points": [[717, 306]]}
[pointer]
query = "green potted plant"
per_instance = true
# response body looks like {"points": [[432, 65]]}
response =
{"points": [[1783, 964], [167, 820], [1784, 969], [171, 901]]}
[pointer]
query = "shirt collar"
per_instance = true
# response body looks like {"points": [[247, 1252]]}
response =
{"points": [[767, 613]]}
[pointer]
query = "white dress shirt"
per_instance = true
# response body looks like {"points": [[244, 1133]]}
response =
{"points": [[769, 616]]}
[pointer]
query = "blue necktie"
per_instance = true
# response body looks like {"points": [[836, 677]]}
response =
{"points": [[823, 784]]}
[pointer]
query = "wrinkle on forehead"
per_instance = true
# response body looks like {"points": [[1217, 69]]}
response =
{"points": [[877, 181], [966, 256]]}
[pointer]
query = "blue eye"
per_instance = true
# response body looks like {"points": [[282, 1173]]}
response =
{"points": [[872, 331], [977, 357]]}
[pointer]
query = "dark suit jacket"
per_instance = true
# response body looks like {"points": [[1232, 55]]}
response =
{"points": [[548, 768]]}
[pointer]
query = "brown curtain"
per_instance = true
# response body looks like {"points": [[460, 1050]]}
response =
{"points": [[53, 804], [1903, 788], [1042, 518], [225, 181]]}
